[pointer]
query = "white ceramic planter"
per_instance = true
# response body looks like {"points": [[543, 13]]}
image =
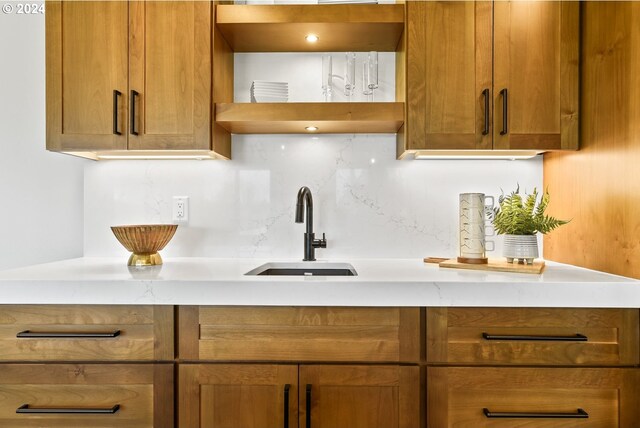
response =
{"points": [[522, 248]]}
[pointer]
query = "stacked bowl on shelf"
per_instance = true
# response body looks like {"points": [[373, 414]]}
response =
{"points": [[269, 92]]}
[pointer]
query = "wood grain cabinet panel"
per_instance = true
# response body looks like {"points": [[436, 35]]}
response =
{"points": [[448, 47], [500, 75], [143, 395], [158, 56], [359, 396], [299, 334], [86, 62], [458, 397], [170, 69], [144, 333], [604, 337], [536, 60], [238, 395]]}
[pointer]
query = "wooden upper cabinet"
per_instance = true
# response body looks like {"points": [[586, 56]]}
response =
{"points": [[448, 48], [462, 65], [135, 77], [536, 55], [86, 61], [170, 75]]}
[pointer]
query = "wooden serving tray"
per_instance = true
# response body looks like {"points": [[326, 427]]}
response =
{"points": [[495, 265]]}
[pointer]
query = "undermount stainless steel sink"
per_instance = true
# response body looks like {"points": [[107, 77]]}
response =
{"points": [[304, 269]]}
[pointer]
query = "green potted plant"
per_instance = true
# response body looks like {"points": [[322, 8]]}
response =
{"points": [[519, 218]]}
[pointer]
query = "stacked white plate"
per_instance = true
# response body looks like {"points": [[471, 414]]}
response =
{"points": [[263, 91]]}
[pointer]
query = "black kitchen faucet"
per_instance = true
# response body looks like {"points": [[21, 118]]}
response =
{"points": [[310, 243]]}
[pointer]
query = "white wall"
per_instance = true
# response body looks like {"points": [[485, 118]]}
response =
{"points": [[41, 196]]}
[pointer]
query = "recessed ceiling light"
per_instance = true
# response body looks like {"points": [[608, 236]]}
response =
{"points": [[311, 38], [311, 128]]}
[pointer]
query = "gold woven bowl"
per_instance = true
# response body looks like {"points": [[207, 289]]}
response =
{"points": [[144, 241]]}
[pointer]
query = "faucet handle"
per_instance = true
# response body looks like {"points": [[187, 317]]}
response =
{"points": [[320, 243]]}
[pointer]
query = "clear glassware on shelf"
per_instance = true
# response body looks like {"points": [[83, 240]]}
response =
{"points": [[370, 75], [327, 78], [349, 74]]}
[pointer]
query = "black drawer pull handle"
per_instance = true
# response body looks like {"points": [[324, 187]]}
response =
{"points": [[67, 335], [308, 415], [116, 94], [63, 410], [580, 414], [575, 338], [505, 111], [287, 387], [485, 93], [132, 125]]}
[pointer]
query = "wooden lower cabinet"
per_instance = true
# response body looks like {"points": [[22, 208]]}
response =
{"points": [[359, 396], [277, 395], [86, 395], [533, 336], [237, 395], [533, 397], [86, 333], [336, 334]]}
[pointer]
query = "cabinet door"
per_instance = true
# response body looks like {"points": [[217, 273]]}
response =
{"points": [[86, 59], [238, 396], [170, 72], [536, 75], [448, 68], [532, 397], [359, 396]]}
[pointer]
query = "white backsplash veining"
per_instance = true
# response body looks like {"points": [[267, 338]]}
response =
{"points": [[368, 203]]}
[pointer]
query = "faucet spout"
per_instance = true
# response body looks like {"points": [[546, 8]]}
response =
{"points": [[304, 195], [310, 243]]}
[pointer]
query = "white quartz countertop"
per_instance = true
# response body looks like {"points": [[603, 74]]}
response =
{"points": [[384, 282]]}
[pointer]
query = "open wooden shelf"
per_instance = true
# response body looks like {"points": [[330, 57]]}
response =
{"points": [[340, 28], [293, 118]]}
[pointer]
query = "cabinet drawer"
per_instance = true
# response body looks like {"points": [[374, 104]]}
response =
{"points": [[299, 334], [86, 333], [93, 395], [532, 397], [528, 336]]}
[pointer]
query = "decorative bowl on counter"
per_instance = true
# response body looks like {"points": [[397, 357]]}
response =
{"points": [[144, 241]]}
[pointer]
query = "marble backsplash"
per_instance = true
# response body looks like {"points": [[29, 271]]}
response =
{"points": [[369, 204]]}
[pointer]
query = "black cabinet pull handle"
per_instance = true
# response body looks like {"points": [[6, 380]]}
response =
{"points": [[64, 410], [505, 111], [580, 414], [67, 335], [574, 338], [132, 125], [287, 387], [485, 93], [116, 94], [308, 415]]}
